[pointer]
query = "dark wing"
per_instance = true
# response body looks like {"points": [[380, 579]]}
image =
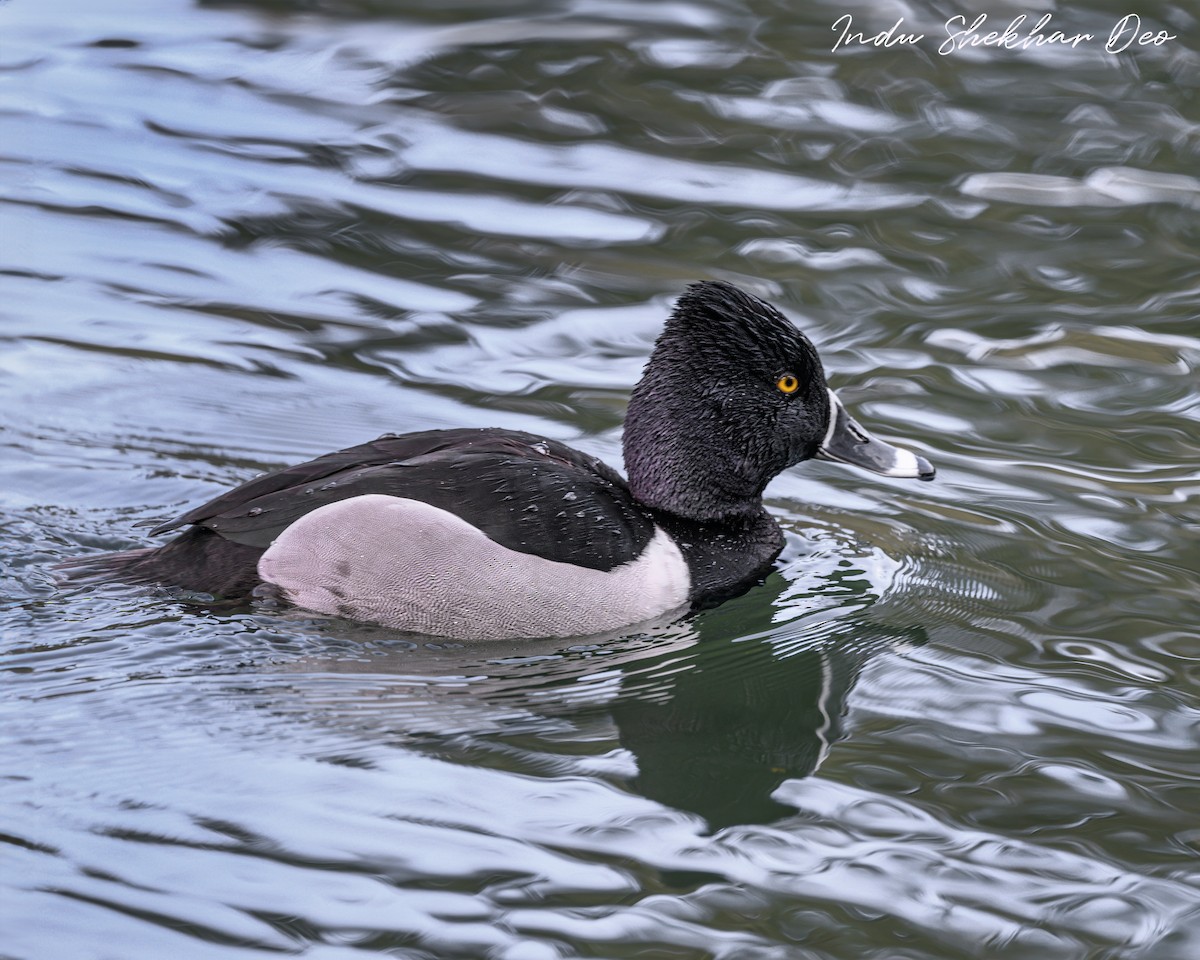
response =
{"points": [[529, 494]]}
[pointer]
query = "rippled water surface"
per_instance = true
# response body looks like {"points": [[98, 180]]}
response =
{"points": [[959, 720]]}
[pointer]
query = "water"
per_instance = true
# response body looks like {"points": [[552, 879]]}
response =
{"points": [[961, 717]]}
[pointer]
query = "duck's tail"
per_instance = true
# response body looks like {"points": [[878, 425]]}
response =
{"points": [[198, 559], [128, 565]]}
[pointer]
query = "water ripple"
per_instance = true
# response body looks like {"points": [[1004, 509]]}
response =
{"points": [[958, 719]]}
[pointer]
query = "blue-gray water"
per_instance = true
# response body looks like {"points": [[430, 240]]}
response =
{"points": [[960, 720]]}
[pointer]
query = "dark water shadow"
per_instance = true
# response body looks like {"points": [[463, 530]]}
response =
{"points": [[717, 710], [718, 739]]}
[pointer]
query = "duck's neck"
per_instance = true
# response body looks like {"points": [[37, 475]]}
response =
{"points": [[698, 474]]}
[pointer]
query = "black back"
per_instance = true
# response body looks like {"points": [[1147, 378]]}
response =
{"points": [[529, 494]]}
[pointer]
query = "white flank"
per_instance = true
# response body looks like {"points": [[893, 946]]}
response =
{"points": [[405, 564]]}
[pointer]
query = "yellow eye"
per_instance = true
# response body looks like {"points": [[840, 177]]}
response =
{"points": [[787, 384]]}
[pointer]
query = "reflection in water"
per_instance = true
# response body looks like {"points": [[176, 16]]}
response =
{"points": [[714, 725], [719, 743], [719, 737]]}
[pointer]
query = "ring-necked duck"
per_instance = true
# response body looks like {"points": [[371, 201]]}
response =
{"points": [[490, 534]]}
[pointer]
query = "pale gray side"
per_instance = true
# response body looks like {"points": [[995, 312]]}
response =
{"points": [[405, 564]]}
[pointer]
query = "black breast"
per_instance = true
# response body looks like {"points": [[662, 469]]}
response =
{"points": [[726, 558]]}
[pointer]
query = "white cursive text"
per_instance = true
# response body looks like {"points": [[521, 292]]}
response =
{"points": [[1009, 38], [885, 38]]}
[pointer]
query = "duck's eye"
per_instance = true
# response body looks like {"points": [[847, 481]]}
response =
{"points": [[787, 384]]}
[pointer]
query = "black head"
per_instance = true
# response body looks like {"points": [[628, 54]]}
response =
{"points": [[732, 395]]}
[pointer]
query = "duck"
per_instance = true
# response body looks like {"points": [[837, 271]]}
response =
{"points": [[496, 534]]}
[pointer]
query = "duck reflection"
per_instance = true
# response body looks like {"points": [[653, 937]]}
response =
{"points": [[719, 738], [715, 725], [724, 734]]}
